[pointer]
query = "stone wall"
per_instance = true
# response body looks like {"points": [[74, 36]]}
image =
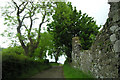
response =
{"points": [[103, 58]]}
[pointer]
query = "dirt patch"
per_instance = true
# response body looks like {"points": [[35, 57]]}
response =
{"points": [[54, 72]]}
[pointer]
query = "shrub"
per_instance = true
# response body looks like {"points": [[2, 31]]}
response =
{"points": [[15, 65], [46, 61], [17, 49]]}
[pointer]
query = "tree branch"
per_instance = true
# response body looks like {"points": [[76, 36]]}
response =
{"points": [[31, 24], [43, 18], [15, 3], [19, 27], [25, 27], [24, 17], [21, 4], [31, 13], [23, 8]]}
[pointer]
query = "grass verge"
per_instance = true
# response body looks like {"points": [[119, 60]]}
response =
{"points": [[70, 72], [54, 64]]}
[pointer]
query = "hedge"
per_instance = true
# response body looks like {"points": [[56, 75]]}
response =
{"points": [[14, 65]]}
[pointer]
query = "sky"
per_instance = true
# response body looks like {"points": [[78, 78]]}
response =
{"points": [[98, 9], [95, 8]]}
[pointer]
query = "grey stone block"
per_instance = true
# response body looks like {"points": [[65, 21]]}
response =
{"points": [[117, 46], [113, 0], [117, 29], [116, 17], [113, 38], [113, 28]]}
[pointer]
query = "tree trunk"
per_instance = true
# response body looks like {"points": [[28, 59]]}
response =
{"points": [[26, 51], [21, 41], [69, 54], [56, 58], [32, 49], [57, 55], [69, 57]]}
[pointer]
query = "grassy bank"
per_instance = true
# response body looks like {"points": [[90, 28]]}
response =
{"points": [[70, 72], [20, 66]]}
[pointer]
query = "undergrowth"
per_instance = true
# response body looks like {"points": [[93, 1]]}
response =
{"points": [[20, 66], [72, 73]]}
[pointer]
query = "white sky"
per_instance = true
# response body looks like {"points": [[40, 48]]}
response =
{"points": [[95, 8]]}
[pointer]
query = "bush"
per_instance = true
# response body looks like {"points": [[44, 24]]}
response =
{"points": [[14, 65], [17, 49], [46, 61]]}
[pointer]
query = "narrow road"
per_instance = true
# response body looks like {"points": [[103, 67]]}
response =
{"points": [[54, 72]]}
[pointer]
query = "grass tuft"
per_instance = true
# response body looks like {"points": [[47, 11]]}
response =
{"points": [[70, 72]]}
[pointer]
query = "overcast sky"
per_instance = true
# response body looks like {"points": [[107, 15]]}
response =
{"points": [[95, 8]]}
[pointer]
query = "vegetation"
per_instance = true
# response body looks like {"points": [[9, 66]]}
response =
{"points": [[27, 54], [70, 72], [17, 49], [68, 23], [21, 16], [54, 64], [46, 44], [20, 66]]}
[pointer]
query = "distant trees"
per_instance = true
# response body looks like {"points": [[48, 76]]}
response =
{"points": [[68, 23], [46, 44], [22, 15]]}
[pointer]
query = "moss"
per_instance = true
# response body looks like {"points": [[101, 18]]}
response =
{"points": [[100, 44], [76, 39]]}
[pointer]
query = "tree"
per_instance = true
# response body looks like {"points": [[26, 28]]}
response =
{"points": [[58, 27], [68, 23], [22, 16], [46, 44]]}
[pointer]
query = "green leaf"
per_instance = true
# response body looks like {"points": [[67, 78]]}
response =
{"points": [[8, 24], [18, 35], [6, 18], [5, 23]]}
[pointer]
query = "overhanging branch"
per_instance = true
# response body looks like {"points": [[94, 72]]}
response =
{"points": [[23, 7], [15, 3]]}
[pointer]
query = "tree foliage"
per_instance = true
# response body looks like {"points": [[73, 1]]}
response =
{"points": [[46, 44], [22, 16], [68, 23], [16, 49]]}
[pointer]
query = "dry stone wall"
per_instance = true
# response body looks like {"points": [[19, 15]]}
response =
{"points": [[103, 58]]}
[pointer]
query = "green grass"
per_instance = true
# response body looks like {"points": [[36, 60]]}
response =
{"points": [[54, 64], [70, 72]]}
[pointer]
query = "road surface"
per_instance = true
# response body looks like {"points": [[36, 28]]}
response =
{"points": [[54, 72]]}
